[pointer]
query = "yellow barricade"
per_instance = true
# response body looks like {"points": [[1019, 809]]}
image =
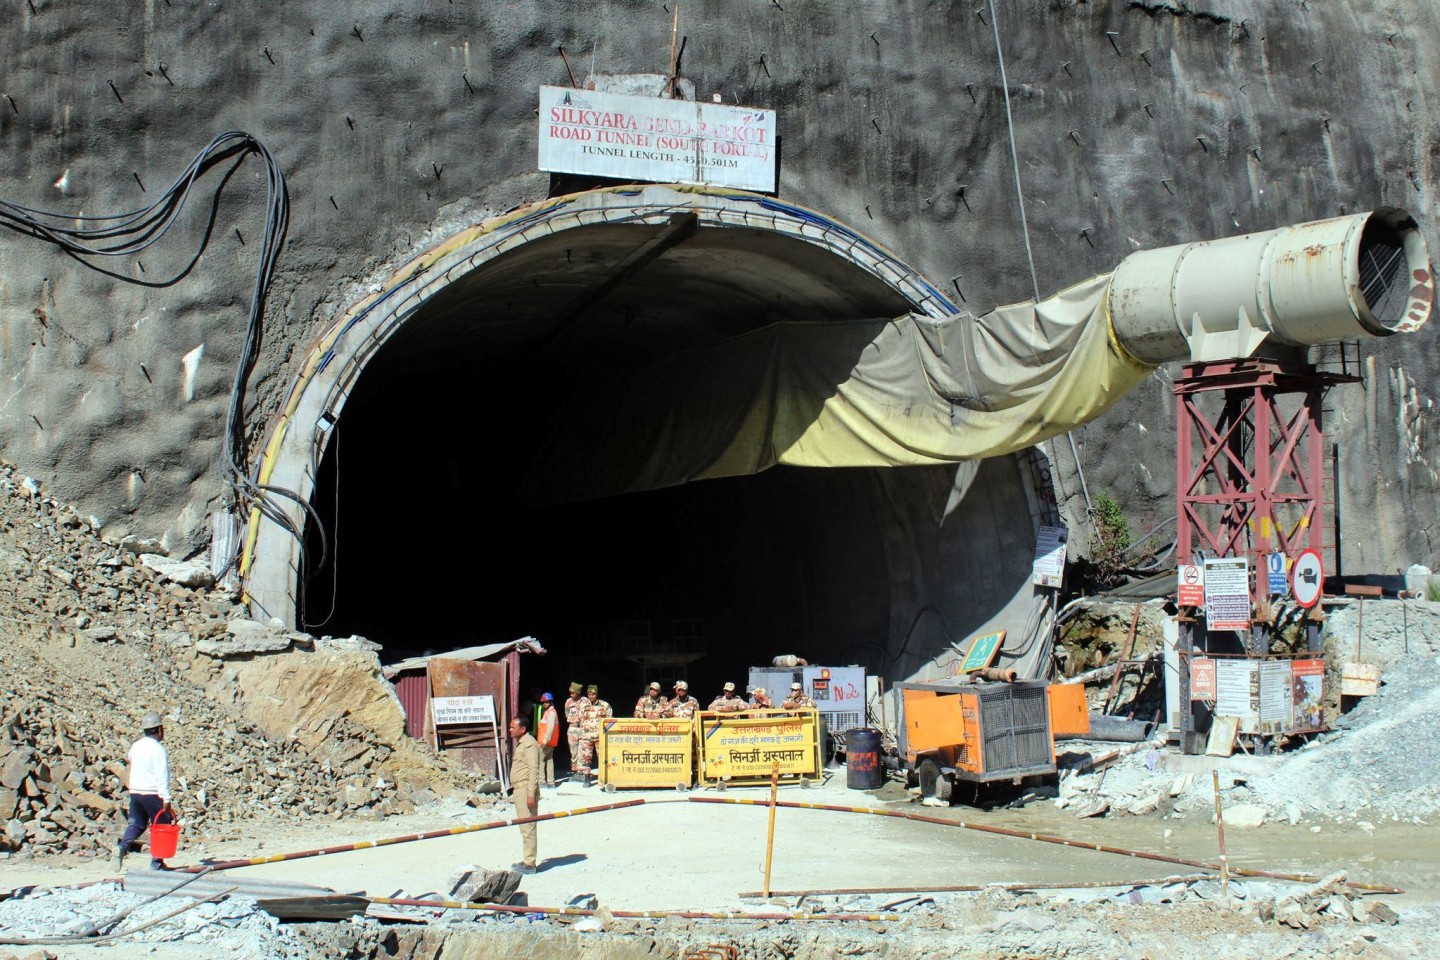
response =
{"points": [[646, 753], [744, 747]]}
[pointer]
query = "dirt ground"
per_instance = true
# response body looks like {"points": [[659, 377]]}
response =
{"points": [[672, 854]]}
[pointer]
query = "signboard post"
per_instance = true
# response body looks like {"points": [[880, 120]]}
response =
{"points": [[656, 139], [1049, 567], [1227, 593]]}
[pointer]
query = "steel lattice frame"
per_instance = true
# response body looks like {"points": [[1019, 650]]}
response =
{"points": [[1250, 480]]}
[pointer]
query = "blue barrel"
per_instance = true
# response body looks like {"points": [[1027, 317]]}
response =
{"points": [[862, 760]]}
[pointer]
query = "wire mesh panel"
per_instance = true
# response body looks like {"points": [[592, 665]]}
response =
{"points": [[1015, 729]]}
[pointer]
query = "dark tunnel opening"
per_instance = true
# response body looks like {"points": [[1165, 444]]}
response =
{"points": [[434, 543], [432, 548]]}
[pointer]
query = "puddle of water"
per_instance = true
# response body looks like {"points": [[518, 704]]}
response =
{"points": [[1398, 855]]}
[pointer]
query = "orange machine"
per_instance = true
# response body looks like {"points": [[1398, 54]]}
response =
{"points": [[982, 732]]}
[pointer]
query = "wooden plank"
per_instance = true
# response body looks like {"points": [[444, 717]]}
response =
{"points": [[1222, 737]]}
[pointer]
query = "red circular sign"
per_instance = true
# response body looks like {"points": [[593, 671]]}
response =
{"points": [[1307, 578]]}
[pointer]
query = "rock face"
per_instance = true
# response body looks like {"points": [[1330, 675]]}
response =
{"points": [[247, 730], [1135, 125]]}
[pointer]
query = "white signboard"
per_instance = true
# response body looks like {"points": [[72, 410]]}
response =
{"points": [[1227, 593], [1276, 699], [449, 710], [1237, 691], [656, 139], [1049, 568]]}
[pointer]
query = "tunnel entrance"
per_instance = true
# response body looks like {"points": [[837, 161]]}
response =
{"points": [[456, 511]]}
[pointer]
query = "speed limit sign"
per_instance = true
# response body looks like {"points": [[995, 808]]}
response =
{"points": [[1306, 578]]}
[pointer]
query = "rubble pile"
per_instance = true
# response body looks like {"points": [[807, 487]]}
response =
{"points": [[1368, 768], [93, 634]]}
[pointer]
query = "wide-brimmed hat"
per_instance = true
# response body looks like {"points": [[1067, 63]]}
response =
{"points": [[151, 721]]}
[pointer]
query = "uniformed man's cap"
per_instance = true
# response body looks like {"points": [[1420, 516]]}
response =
{"points": [[797, 686], [592, 689], [654, 685], [681, 685], [575, 688], [729, 687], [759, 691]]}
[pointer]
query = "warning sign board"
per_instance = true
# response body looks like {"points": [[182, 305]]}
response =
{"points": [[1191, 581], [1227, 593], [1307, 578], [1202, 679]]}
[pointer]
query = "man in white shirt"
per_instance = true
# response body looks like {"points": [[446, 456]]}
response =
{"points": [[149, 787]]}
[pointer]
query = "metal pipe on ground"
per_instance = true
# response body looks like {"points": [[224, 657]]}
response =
{"points": [[1118, 729], [434, 834], [631, 914], [982, 887], [1046, 838]]}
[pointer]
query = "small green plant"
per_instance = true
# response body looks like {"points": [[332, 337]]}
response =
{"points": [[1432, 589], [1110, 542]]}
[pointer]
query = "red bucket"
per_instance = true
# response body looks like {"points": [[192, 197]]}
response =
{"points": [[164, 839]]}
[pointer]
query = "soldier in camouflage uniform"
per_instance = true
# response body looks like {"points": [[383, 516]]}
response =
{"points": [[573, 711], [653, 705], [727, 702], [797, 699], [682, 705], [594, 712]]}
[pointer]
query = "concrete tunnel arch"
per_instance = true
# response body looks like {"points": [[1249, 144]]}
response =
{"points": [[726, 262]]}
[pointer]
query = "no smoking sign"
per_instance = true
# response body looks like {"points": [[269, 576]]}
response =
{"points": [[1191, 582]]}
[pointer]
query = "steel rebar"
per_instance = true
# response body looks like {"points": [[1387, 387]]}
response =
{"points": [[1046, 838], [433, 834], [980, 887]]}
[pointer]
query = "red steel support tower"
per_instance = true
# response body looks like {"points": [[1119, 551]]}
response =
{"points": [[1250, 462]]}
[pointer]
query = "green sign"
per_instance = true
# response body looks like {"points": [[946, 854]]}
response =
{"points": [[982, 651]]}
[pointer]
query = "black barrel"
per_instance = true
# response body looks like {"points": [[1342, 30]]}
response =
{"points": [[862, 760]]}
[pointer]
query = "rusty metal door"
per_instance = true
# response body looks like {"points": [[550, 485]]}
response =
{"points": [[475, 744]]}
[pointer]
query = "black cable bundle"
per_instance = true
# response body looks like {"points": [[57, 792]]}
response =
{"points": [[127, 234]]}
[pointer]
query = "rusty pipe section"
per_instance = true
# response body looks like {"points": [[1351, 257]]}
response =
{"points": [[1357, 277]]}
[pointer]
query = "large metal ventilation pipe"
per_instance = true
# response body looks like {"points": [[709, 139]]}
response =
{"points": [[1354, 277]]}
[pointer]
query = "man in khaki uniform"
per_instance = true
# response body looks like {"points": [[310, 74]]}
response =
{"points": [[797, 699], [574, 714], [525, 787], [727, 702], [653, 705], [682, 705]]}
